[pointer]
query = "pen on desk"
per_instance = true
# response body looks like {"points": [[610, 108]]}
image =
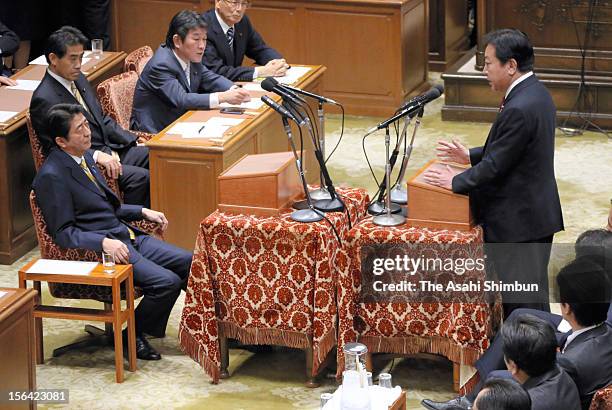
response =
{"points": [[201, 128]]}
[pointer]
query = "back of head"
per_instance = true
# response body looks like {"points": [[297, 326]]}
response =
{"points": [[585, 286], [59, 119], [181, 23], [502, 394], [62, 38], [530, 343], [512, 43]]}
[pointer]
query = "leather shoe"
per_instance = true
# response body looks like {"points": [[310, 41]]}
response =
{"points": [[144, 351], [458, 403]]}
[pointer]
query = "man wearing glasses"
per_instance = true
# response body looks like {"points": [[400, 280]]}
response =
{"points": [[230, 37]]}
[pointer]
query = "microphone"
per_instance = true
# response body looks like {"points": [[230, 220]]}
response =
{"points": [[280, 109], [271, 85], [411, 107], [433, 93], [309, 94]]}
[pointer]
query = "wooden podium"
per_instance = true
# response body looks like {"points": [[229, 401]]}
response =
{"points": [[433, 207], [260, 184]]}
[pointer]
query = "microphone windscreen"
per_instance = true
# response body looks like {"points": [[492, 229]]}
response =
{"points": [[268, 84], [432, 94], [440, 88]]}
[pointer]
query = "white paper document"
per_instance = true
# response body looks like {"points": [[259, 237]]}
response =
{"points": [[41, 60], [7, 115], [215, 127], [2, 294], [293, 75], [28, 85], [50, 266], [253, 87], [254, 104]]}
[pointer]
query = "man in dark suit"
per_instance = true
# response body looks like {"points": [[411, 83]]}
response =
{"points": [[511, 184], [585, 351], [82, 212], [175, 81], [112, 147], [529, 351], [231, 36], [9, 43]]}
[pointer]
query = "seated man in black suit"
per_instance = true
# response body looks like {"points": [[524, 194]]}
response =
{"points": [[9, 43], [584, 289], [230, 37], [502, 394], [82, 212], [111, 146], [175, 81]]}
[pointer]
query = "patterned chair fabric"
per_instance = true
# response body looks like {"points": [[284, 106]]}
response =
{"points": [[602, 399], [116, 96], [137, 59], [39, 157]]}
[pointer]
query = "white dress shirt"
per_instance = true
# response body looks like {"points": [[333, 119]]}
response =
{"points": [[213, 99]]}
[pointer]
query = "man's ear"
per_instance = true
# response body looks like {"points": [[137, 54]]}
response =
{"points": [[53, 59], [512, 367], [565, 309], [176, 39], [61, 142], [512, 66]]}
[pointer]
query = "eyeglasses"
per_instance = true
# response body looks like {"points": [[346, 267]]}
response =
{"points": [[238, 3]]}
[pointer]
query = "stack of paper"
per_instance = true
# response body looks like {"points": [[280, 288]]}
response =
{"points": [[27, 85], [215, 127], [50, 266], [41, 60], [253, 87], [7, 115], [293, 75], [2, 294], [254, 104]]}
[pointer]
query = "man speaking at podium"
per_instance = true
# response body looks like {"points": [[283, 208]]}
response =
{"points": [[512, 186], [230, 37]]}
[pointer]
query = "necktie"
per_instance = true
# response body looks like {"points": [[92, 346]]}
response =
{"points": [[501, 105], [89, 174], [230, 37], [77, 95], [187, 75]]}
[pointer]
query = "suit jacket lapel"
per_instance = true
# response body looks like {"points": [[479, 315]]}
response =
{"points": [[182, 78], [79, 175], [239, 44]]}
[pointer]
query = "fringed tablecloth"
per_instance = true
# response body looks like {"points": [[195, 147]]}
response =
{"points": [[265, 280], [458, 331]]}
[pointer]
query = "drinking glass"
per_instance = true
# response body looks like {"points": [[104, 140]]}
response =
{"points": [[384, 380], [108, 262], [97, 47]]}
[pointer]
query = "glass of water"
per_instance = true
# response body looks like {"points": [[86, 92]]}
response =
{"points": [[325, 397], [97, 47], [384, 380], [108, 262]]}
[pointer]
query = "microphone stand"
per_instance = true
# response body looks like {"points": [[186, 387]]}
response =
{"points": [[321, 193], [399, 194], [379, 207], [388, 219], [302, 215]]}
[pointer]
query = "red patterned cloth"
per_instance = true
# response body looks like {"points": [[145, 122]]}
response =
{"points": [[602, 399], [458, 331], [264, 281]]}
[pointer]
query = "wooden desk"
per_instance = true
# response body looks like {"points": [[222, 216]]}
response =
{"points": [[18, 369], [17, 235], [376, 51], [117, 316], [184, 171]]}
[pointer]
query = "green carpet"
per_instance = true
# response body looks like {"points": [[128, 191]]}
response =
{"points": [[275, 380]]}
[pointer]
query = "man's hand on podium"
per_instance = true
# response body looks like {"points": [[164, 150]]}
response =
{"points": [[442, 177], [453, 152]]}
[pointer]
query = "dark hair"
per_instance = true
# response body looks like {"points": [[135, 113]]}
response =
{"points": [[181, 23], [59, 41], [585, 286], [512, 43], [59, 119], [503, 394], [530, 343]]}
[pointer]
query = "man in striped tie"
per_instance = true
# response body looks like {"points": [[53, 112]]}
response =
{"points": [[231, 37], [82, 212]]}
